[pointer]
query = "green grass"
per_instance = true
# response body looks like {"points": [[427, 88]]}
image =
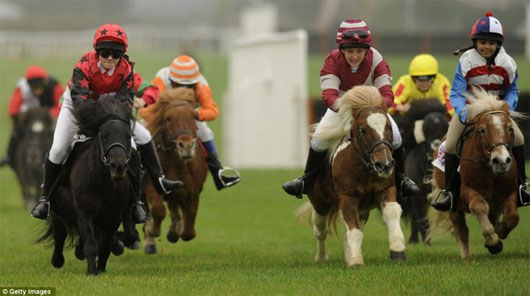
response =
{"points": [[247, 241]]}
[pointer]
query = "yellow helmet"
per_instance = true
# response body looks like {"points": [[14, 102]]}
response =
{"points": [[423, 65]]}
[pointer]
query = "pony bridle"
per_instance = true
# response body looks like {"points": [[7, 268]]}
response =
{"points": [[173, 138], [492, 146], [366, 157], [105, 151]]}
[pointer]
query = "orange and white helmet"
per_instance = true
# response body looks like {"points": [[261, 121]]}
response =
{"points": [[184, 70]]}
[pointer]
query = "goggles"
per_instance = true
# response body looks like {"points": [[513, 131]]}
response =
{"points": [[424, 77], [106, 53]]}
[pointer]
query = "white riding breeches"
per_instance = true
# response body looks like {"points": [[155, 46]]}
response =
{"points": [[323, 145], [204, 133], [66, 129]]}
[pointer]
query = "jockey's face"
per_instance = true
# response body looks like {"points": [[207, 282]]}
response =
{"points": [[486, 48], [354, 56], [423, 85], [109, 62]]}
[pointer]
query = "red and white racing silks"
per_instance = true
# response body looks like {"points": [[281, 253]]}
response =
{"points": [[336, 76]]}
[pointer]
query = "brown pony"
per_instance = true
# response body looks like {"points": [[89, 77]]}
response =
{"points": [[489, 178], [171, 122], [359, 177]]}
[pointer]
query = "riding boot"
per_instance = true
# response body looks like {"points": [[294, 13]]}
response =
{"points": [[523, 197], [406, 186], [452, 185], [302, 185], [152, 165], [11, 147], [51, 170], [138, 210], [216, 169]]}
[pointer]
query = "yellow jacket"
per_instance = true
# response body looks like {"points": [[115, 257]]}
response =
{"points": [[405, 91]]}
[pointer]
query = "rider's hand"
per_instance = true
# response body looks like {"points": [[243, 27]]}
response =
{"points": [[139, 103], [403, 107]]}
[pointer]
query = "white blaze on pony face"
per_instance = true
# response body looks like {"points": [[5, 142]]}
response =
{"points": [[500, 159], [377, 121]]}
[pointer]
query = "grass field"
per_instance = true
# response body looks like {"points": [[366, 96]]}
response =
{"points": [[247, 241]]}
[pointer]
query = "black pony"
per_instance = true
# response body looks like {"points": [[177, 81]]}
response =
{"points": [[31, 139], [422, 129], [92, 201]]}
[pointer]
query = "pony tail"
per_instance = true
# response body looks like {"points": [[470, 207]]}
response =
{"points": [[462, 50]]}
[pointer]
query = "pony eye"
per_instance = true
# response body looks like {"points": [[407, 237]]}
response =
{"points": [[481, 130]]}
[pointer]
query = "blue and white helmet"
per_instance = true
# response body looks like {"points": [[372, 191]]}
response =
{"points": [[488, 28]]}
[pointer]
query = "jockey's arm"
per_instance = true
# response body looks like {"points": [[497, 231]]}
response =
{"points": [[208, 110], [126, 92], [511, 94], [383, 81], [57, 94], [329, 83], [401, 96], [15, 103], [458, 88]]}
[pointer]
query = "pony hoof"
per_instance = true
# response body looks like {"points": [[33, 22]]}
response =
{"points": [[495, 249], [150, 249], [172, 236], [117, 248], [58, 261], [397, 256], [355, 265]]}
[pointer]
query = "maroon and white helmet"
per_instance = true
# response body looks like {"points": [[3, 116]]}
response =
{"points": [[353, 33]]}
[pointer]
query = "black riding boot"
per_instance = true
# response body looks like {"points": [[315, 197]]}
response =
{"points": [[406, 186], [51, 170], [523, 197], [216, 169], [302, 185], [152, 165], [452, 185], [138, 210], [8, 159]]}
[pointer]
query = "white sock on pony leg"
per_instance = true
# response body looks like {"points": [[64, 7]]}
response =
{"points": [[320, 230], [353, 240], [391, 216]]}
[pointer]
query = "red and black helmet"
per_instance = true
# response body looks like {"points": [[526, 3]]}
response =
{"points": [[111, 36], [353, 33]]}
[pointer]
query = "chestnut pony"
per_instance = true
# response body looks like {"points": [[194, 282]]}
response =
{"points": [[359, 176], [488, 175], [171, 122]]}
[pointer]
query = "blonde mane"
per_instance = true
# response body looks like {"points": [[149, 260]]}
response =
{"points": [[154, 115], [481, 101], [349, 104]]}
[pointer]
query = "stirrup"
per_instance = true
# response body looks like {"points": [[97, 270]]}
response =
{"points": [[522, 189], [233, 171], [447, 194]]}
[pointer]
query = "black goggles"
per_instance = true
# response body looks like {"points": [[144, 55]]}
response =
{"points": [[424, 77], [355, 34], [175, 85], [106, 53]]}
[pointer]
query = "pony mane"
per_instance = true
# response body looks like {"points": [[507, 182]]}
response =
{"points": [[481, 101], [357, 98], [154, 115], [91, 114]]}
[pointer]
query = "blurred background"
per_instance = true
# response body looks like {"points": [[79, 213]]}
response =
{"points": [[54, 33]]}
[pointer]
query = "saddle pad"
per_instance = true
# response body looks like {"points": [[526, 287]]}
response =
{"points": [[439, 162]]}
